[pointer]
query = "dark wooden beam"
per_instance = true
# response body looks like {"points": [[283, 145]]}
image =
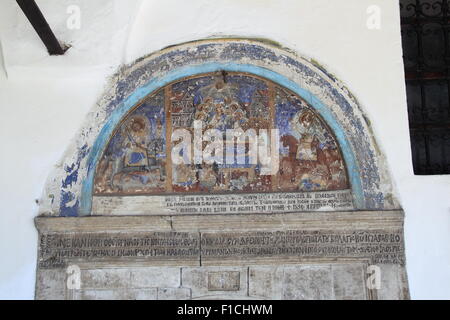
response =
{"points": [[37, 20]]}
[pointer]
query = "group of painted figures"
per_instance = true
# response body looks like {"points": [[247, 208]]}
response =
{"points": [[135, 161]]}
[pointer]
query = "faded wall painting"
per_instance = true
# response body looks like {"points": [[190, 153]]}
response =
{"points": [[310, 156], [135, 159], [138, 158]]}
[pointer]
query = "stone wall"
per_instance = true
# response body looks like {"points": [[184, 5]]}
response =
{"points": [[281, 256]]}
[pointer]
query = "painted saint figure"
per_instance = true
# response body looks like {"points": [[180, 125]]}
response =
{"points": [[309, 131], [136, 143]]}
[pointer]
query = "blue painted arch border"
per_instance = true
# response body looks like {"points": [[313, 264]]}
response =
{"points": [[156, 83]]}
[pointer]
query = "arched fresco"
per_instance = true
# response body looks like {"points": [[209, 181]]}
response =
{"points": [[71, 188], [136, 158]]}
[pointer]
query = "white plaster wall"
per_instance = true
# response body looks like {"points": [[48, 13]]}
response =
{"points": [[41, 111]]}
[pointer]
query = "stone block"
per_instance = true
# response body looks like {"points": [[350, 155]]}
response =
{"points": [[349, 281], [174, 293], [307, 283], [209, 281]]}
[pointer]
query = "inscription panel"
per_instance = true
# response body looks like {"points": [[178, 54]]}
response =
{"points": [[56, 250], [339, 200], [379, 246]]}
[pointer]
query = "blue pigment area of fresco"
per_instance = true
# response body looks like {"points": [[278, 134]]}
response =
{"points": [[68, 197], [247, 87], [284, 111], [192, 87], [121, 109], [136, 157]]}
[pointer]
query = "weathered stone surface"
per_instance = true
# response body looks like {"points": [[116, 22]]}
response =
{"points": [[155, 277], [213, 281], [333, 281], [253, 257], [116, 294], [106, 278], [51, 284], [57, 250], [349, 281], [266, 282], [319, 280], [380, 246], [307, 283], [224, 281], [393, 283], [130, 277], [174, 294], [345, 220]]}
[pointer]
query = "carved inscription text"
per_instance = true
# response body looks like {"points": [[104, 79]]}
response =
{"points": [[56, 250]]}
